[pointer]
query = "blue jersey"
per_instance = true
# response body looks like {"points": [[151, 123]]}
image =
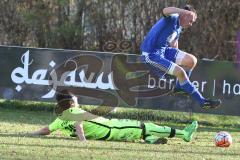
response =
{"points": [[162, 34]]}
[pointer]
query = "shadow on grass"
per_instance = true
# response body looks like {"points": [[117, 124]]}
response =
{"points": [[117, 149], [27, 135]]}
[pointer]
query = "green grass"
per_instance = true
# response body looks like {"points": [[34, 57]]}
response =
{"points": [[16, 120]]}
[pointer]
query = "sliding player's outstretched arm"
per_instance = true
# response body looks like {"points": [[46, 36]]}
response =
{"points": [[42, 131]]}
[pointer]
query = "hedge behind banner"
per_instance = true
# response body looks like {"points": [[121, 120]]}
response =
{"points": [[110, 79]]}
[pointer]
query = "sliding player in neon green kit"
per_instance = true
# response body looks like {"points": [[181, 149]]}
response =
{"points": [[74, 121]]}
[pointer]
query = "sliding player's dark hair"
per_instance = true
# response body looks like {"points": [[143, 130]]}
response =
{"points": [[189, 8], [64, 101], [64, 95]]}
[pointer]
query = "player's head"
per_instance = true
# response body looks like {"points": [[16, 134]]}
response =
{"points": [[65, 100], [187, 20]]}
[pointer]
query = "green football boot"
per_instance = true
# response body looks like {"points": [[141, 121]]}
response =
{"points": [[189, 131]]}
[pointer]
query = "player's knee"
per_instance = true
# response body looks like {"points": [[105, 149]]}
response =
{"points": [[187, 60], [194, 61], [191, 61]]}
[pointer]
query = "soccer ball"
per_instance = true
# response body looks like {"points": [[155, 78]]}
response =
{"points": [[223, 139]]}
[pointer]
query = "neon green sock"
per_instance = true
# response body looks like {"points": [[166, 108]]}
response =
{"points": [[180, 133], [156, 130], [163, 131]]}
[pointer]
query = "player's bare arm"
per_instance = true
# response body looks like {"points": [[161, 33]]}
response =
{"points": [[173, 10], [186, 16], [80, 131], [43, 131]]}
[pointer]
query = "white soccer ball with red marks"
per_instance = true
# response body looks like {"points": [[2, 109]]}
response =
{"points": [[223, 139]]}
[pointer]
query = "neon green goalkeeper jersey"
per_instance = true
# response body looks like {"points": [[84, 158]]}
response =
{"points": [[102, 129]]}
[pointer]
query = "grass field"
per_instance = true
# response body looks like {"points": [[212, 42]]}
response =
{"points": [[14, 121]]}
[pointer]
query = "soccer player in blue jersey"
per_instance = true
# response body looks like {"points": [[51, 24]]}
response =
{"points": [[160, 51]]}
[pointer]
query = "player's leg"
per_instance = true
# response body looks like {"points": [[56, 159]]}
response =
{"points": [[187, 61], [185, 83], [171, 55], [123, 130], [176, 70], [152, 131], [164, 62]]}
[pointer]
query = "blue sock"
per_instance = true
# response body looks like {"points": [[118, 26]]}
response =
{"points": [[178, 86], [188, 87], [189, 73]]}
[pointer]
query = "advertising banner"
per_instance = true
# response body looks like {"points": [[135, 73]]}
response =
{"points": [[111, 79]]}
